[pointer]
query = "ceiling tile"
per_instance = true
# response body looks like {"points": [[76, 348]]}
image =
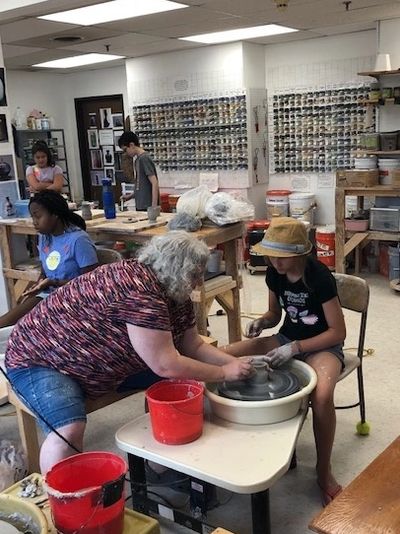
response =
{"points": [[14, 51], [29, 28], [87, 33], [165, 20], [122, 44], [37, 57]]}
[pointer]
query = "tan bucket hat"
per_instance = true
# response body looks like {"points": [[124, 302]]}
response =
{"points": [[285, 238]]}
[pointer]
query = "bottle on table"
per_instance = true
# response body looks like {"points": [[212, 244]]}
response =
{"points": [[86, 211], [108, 199]]}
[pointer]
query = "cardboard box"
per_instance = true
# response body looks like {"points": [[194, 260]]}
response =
{"points": [[357, 178], [395, 178]]}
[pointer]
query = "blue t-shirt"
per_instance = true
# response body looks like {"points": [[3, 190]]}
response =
{"points": [[63, 256]]}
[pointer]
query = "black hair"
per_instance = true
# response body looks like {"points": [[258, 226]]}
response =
{"points": [[56, 204], [128, 137], [41, 146]]}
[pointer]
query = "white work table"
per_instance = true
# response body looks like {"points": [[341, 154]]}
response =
{"points": [[245, 459]]}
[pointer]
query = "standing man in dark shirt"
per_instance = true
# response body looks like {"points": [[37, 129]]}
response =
{"points": [[146, 180]]}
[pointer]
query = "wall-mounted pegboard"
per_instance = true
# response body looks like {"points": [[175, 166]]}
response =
{"points": [[318, 130]]}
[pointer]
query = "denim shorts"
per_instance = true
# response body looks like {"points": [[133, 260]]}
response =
{"points": [[56, 398], [336, 350]]}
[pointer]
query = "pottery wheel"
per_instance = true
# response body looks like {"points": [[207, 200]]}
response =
{"points": [[262, 386]]}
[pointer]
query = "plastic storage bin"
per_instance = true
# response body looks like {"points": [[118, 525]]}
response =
{"points": [[385, 219], [389, 140], [22, 208]]}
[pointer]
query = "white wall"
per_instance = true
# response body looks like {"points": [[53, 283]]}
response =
{"points": [[206, 69], [54, 94], [317, 63]]}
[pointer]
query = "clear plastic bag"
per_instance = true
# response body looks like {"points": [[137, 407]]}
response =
{"points": [[193, 202], [12, 464], [222, 209]]}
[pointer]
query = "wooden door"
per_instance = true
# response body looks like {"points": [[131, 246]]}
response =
{"points": [[100, 122]]}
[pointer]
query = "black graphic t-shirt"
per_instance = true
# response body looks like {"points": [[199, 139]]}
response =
{"points": [[302, 303]]}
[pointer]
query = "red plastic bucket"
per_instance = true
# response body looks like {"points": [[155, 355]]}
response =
{"points": [[325, 245], [176, 410], [86, 493]]}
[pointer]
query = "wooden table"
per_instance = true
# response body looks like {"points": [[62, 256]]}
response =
{"points": [[245, 459], [134, 226], [347, 241], [370, 504]]}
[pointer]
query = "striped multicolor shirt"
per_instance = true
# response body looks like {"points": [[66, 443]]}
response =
{"points": [[80, 329]]}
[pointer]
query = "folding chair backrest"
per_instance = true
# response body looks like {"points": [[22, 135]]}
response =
{"points": [[353, 292]]}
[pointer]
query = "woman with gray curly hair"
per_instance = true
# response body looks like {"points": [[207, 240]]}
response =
{"points": [[122, 326]]}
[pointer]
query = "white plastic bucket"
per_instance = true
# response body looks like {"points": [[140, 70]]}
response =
{"points": [[277, 203], [365, 162], [277, 209], [302, 206], [386, 167]]}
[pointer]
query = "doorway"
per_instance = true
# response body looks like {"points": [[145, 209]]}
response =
{"points": [[100, 122]]}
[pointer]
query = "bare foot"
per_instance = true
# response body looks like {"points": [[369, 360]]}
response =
{"points": [[329, 487]]}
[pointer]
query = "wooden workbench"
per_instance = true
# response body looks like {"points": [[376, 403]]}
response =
{"points": [[134, 226], [370, 504], [348, 241]]}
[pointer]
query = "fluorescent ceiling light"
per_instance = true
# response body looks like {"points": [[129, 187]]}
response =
{"points": [[110, 11], [240, 34], [77, 61]]}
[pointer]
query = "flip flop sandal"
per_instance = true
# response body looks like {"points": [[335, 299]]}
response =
{"points": [[328, 496]]}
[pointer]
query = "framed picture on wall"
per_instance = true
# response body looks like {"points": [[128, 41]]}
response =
{"points": [[93, 138], [106, 137], [117, 120], [105, 118], [96, 177], [96, 159], [109, 172], [7, 171], [3, 96], [108, 154], [117, 135], [3, 129], [92, 120]]}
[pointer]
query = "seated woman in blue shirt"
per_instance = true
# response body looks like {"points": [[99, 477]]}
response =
{"points": [[65, 250]]}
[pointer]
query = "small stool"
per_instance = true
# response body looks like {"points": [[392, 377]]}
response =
{"points": [[27, 420], [225, 290]]}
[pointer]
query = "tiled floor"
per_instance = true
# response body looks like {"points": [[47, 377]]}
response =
{"points": [[295, 498]]}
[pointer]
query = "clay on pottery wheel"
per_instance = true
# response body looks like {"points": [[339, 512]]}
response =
{"points": [[262, 385]]}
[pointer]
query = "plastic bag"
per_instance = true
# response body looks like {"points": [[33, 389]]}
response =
{"points": [[222, 209], [12, 464], [193, 202]]}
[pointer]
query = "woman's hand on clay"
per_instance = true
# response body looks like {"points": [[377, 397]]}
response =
{"points": [[238, 369], [282, 354]]}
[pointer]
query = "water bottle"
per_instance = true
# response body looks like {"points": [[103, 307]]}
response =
{"points": [[108, 199]]}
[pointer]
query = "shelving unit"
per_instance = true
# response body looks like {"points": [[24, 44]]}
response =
{"points": [[56, 141], [347, 241], [318, 131], [191, 135]]}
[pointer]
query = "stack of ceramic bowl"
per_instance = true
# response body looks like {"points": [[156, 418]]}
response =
{"points": [[365, 162]]}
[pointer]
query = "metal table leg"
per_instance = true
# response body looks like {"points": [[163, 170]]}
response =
{"points": [[260, 512]]}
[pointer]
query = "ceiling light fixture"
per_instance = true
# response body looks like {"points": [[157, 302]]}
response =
{"points": [[77, 61], [111, 11], [240, 34]]}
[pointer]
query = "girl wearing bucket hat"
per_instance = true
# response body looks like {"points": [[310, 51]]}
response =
{"points": [[313, 329]]}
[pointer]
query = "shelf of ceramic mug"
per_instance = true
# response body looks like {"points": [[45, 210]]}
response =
{"points": [[379, 73], [377, 152], [381, 102], [191, 127]]}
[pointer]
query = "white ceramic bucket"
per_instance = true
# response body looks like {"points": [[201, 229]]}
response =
{"points": [[386, 168], [302, 206]]}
